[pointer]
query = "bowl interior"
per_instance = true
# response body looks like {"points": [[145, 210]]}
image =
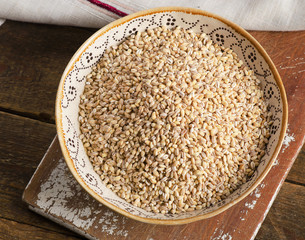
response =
{"points": [[74, 79]]}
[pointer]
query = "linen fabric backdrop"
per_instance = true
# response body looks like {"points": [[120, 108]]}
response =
{"points": [[270, 15]]}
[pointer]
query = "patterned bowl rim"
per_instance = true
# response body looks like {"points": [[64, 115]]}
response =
{"points": [[86, 44]]}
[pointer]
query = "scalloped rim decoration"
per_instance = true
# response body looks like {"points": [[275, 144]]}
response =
{"points": [[220, 30]]}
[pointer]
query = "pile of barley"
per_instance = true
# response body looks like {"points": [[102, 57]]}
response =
{"points": [[172, 122]]}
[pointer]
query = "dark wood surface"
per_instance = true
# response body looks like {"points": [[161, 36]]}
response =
{"points": [[32, 60]]}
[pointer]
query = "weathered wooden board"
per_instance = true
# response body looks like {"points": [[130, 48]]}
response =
{"points": [[54, 193]]}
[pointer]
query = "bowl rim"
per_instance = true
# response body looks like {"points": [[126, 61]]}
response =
{"points": [[88, 42]]}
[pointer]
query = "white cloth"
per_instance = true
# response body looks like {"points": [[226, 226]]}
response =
{"points": [[271, 15], [2, 21]]}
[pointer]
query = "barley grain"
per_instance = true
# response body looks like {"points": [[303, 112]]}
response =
{"points": [[173, 122]]}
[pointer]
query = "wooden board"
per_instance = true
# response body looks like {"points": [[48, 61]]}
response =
{"points": [[32, 59], [54, 193]]}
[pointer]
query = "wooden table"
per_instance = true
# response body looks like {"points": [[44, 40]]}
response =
{"points": [[32, 60]]}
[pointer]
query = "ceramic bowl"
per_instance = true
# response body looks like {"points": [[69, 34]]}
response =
{"points": [[221, 31]]}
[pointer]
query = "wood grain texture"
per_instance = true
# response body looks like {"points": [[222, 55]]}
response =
{"points": [[14, 230], [27, 139], [33, 58], [286, 219], [23, 142], [297, 172]]}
